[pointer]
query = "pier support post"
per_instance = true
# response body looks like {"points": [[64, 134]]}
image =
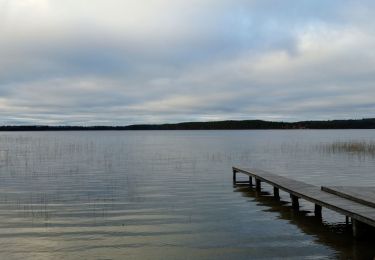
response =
{"points": [[276, 193], [258, 184], [250, 181], [318, 211], [295, 202], [346, 220], [359, 229], [234, 176]]}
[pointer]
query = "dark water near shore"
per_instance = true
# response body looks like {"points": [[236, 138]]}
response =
{"points": [[169, 195]]}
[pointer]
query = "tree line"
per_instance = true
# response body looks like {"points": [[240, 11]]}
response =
{"points": [[368, 123]]}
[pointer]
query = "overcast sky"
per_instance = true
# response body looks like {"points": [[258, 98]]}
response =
{"points": [[120, 62]]}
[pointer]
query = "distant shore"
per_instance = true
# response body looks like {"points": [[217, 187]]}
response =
{"points": [[368, 123]]}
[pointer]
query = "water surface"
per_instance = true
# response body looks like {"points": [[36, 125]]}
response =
{"points": [[168, 194]]}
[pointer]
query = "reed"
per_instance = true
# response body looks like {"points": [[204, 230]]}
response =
{"points": [[357, 147]]}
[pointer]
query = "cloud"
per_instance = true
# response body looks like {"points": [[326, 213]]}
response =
{"points": [[123, 62]]}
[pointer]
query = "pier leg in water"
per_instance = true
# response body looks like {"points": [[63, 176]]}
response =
{"points": [[276, 193], [234, 176], [295, 202], [258, 184], [250, 181], [318, 211], [359, 229]]}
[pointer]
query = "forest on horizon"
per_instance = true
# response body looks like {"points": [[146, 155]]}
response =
{"points": [[368, 123]]}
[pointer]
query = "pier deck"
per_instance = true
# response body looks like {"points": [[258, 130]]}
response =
{"points": [[363, 195], [361, 215]]}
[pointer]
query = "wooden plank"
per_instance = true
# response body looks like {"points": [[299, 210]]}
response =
{"points": [[315, 195], [363, 195]]}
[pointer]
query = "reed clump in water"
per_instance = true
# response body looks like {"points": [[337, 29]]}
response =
{"points": [[358, 147]]}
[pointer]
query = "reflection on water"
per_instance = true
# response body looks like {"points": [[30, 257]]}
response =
{"points": [[158, 195], [337, 235]]}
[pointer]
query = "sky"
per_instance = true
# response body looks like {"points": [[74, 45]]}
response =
{"points": [[121, 62]]}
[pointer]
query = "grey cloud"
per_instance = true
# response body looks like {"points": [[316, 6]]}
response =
{"points": [[123, 62]]}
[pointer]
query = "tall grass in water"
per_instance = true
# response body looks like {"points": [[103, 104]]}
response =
{"points": [[353, 147]]}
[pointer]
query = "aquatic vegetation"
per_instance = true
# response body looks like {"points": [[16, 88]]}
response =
{"points": [[355, 147]]}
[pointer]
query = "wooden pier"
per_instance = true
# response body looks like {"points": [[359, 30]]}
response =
{"points": [[362, 215]]}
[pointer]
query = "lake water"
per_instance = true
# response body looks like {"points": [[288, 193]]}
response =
{"points": [[169, 195]]}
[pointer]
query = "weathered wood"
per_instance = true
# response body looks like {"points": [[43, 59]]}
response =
{"points": [[295, 202], [318, 210], [360, 229], [363, 195], [354, 210], [258, 184], [276, 192]]}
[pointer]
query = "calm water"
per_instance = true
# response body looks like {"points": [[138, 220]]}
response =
{"points": [[169, 195]]}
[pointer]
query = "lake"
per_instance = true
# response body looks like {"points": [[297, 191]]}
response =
{"points": [[169, 195]]}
